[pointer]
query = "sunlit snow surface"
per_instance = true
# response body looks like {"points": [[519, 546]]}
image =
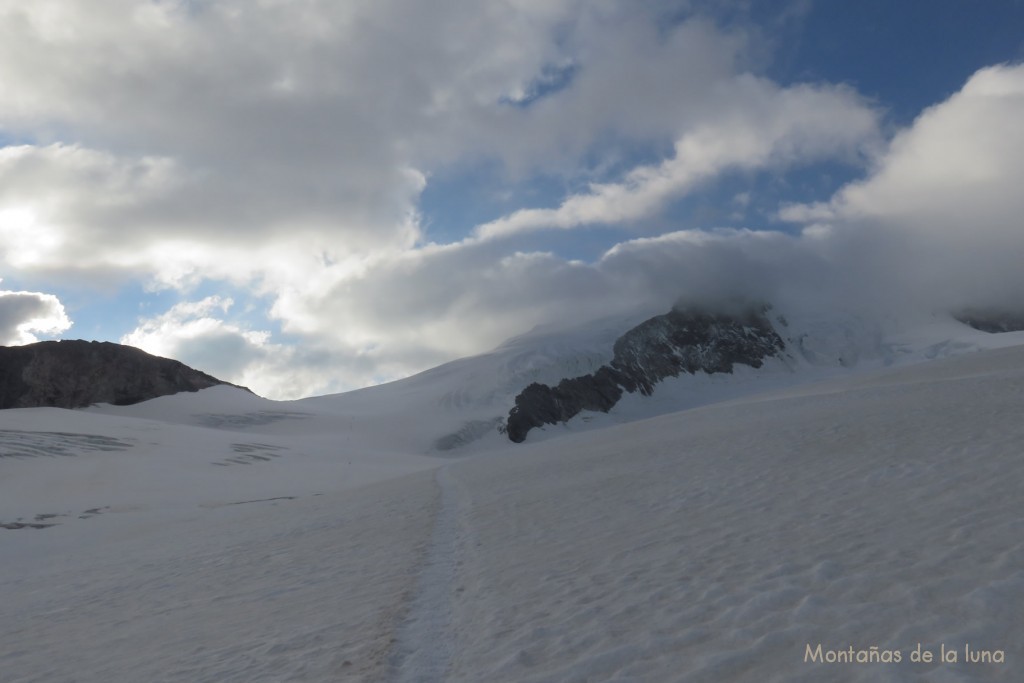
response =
{"points": [[218, 537]]}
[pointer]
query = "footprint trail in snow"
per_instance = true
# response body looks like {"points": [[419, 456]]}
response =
{"points": [[423, 647]]}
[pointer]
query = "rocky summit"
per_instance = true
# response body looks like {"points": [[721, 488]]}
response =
{"points": [[76, 374], [682, 340]]}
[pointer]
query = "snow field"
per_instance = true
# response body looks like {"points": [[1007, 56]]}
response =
{"points": [[713, 544], [291, 590]]}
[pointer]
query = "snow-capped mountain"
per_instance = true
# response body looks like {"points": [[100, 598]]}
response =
{"points": [[630, 367], [610, 370], [680, 341]]}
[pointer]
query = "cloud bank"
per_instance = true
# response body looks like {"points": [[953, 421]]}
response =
{"points": [[265, 162], [938, 218]]}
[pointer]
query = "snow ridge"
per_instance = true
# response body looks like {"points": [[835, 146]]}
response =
{"points": [[424, 641]]}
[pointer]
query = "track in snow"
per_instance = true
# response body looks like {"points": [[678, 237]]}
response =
{"points": [[423, 647]]}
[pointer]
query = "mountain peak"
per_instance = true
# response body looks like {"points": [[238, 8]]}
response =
{"points": [[682, 340], [77, 373]]}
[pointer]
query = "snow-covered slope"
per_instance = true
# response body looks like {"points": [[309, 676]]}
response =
{"points": [[818, 347], [713, 544], [718, 543], [463, 406], [223, 445], [465, 402], [220, 446]]}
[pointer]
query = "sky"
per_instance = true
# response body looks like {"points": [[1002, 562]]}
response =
{"points": [[308, 197]]}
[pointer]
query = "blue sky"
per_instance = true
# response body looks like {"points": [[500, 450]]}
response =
{"points": [[312, 200]]}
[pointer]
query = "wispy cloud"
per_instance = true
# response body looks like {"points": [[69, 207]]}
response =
{"points": [[755, 125]]}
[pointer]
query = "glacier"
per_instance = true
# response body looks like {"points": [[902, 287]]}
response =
{"points": [[860, 490]]}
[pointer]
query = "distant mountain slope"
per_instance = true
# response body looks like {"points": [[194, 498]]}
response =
{"points": [[663, 346], [464, 405], [466, 401], [76, 374]]}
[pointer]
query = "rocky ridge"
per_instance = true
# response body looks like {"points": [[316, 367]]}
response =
{"points": [[992, 321], [76, 374], [682, 340]]}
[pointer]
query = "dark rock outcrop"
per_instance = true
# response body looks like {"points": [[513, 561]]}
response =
{"points": [[75, 374], [682, 340], [992, 321]]}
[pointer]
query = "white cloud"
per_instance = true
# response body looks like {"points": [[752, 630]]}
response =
{"points": [[913, 236], [205, 335], [196, 334], [23, 315], [177, 141], [939, 216], [438, 304], [960, 149], [282, 147], [177, 137], [756, 125]]}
